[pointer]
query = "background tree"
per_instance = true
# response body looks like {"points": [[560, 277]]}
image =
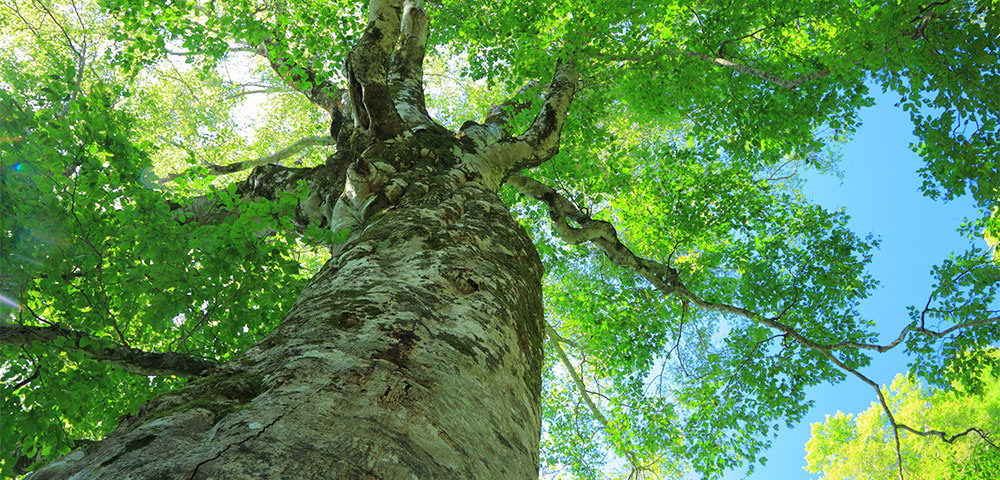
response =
{"points": [[153, 233], [849, 446]]}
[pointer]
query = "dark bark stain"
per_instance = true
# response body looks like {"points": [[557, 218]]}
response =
{"points": [[461, 280], [502, 439], [130, 446], [357, 95], [399, 353]]}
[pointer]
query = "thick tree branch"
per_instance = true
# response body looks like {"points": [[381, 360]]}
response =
{"points": [[406, 74], [372, 106], [268, 182], [503, 113], [131, 359], [665, 279], [496, 127], [275, 157], [599, 232], [541, 140]]}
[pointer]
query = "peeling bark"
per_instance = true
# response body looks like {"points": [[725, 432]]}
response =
{"points": [[367, 71], [406, 76]]}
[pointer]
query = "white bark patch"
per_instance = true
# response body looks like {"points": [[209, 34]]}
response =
{"points": [[481, 167], [483, 135], [410, 113]]}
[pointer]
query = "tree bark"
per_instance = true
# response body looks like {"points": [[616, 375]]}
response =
{"points": [[415, 352]]}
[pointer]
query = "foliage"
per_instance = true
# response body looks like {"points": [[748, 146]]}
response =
{"points": [[89, 245], [849, 446], [693, 159]]}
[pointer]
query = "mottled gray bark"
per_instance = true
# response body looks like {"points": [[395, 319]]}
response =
{"points": [[415, 352]]}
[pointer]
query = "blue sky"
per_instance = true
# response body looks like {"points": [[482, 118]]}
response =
{"points": [[880, 191]]}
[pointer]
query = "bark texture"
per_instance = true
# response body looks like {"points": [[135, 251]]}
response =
{"points": [[415, 352]]}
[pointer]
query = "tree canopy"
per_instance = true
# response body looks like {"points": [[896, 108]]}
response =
{"points": [[693, 293]]}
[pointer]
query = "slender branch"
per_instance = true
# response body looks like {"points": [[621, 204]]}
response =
{"points": [[769, 77], [26, 380], [582, 389], [69, 41], [881, 399], [247, 92], [897, 425], [321, 92], [181, 54], [948, 438], [131, 359], [577, 380], [299, 75], [788, 83], [17, 11], [722, 46], [275, 157], [205, 315], [80, 52], [562, 339]]}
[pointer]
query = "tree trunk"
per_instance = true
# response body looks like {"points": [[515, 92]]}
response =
{"points": [[415, 352]]}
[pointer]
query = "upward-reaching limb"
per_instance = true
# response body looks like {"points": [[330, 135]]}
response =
{"points": [[541, 140]]}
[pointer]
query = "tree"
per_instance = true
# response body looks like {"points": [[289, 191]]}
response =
{"points": [[160, 257], [848, 446]]}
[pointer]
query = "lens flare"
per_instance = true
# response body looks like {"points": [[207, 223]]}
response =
{"points": [[9, 302]]}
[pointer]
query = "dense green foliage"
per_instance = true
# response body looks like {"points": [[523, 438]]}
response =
{"points": [[688, 131]]}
